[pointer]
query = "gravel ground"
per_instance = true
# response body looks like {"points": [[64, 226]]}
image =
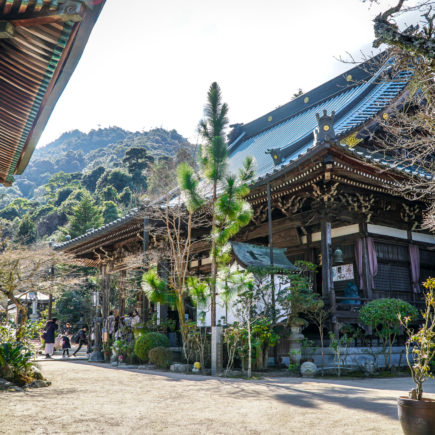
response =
{"points": [[97, 399]]}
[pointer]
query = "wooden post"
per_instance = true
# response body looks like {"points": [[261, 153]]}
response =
{"points": [[50, 296], [366, 269], [105, 290], [50, 305], [272, 276], [327, 283], [122, 274]]}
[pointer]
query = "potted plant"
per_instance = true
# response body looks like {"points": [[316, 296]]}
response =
{"points": [[107, 350], [417, 414]]}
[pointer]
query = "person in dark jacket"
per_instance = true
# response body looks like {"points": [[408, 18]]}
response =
{"points": [[66, 345], [50, 328], [81, 339]]}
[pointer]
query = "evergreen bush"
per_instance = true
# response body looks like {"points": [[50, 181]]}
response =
{"points": [[149, 341], [160, 356], [383, 316]]}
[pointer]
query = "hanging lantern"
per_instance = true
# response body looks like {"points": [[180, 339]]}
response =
{"points": [[337, 257]]}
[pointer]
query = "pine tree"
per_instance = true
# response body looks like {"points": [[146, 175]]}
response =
{"points": [[110, 211], [213, 162], [86, 215]]}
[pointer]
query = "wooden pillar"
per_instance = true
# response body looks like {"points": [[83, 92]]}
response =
{"points": [[105, 290], [272, 276], [366, 270], [327, 283], [50, 305], [367, 277], [122, 274]]}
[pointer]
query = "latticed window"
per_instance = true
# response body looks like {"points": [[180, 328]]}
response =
{"points": [[427, 264], [394, 273]]}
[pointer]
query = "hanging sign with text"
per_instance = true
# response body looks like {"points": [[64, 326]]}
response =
{"points": [[343, 272]]}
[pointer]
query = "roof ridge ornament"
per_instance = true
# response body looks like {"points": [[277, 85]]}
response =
{"points": [[324, 132]]}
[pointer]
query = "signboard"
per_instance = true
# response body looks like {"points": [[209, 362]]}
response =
{"points": [[343, 272]]}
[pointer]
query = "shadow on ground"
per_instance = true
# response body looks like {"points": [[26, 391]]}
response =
{"points": [[353, 394]]}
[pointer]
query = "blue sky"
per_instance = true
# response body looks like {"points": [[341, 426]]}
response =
{"points": [[149, 63]]}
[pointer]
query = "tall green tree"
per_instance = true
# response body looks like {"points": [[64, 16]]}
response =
{"points": [[125, 197], [213, 161], [26, 231], [137, 160], [86, 215], [230, 212], [90, 180], [110, 212], [109, 193]]}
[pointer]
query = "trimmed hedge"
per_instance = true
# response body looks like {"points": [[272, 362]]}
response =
{"points": [[148, 341], [161, 357]]}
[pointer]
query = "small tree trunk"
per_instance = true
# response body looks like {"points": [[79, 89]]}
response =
{"points": [[249, 350], [259, 357], [265, 357], [21, 318], [419, 390], [322, 350], [50, 305]]}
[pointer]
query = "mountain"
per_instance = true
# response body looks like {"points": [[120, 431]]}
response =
{"points": [[75, 151], [82, 180]]}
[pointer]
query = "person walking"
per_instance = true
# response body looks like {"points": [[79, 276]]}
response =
{"points": [[66, 346], [82, 340], [50, 328]]}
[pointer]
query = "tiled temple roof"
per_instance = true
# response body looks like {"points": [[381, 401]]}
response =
{"points": [[283, 143], [41, 42]]}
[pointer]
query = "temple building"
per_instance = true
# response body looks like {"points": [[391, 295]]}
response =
{"points": [[41, 42], [330, 197]]}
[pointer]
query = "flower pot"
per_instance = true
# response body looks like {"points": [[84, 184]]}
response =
{"points": [[417, 417]]}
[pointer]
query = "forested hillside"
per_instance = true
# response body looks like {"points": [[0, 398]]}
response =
{"points": [[83, 180]]}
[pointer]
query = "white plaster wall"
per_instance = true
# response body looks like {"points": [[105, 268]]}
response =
{"points": [[228, 314]]}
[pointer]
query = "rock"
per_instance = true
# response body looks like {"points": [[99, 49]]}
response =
{"points": [[147, 367], [231, 373], [14, 388], [180, 368], [367, 364], [308, 369], [5, 385], [38, 384], [126, 366], [37, 374]]}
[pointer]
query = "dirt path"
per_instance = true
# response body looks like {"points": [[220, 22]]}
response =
{"points": [[89, 399]]}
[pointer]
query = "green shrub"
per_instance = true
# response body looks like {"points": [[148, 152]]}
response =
{"points": [[16, 363], [160, 356], [383, 316], [149, 341]]}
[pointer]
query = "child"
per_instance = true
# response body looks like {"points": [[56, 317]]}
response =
{"points": [[66, 346]]}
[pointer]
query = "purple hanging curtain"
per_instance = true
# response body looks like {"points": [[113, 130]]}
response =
{"points": [[373, 260], [359, 261], [414, 257]]}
